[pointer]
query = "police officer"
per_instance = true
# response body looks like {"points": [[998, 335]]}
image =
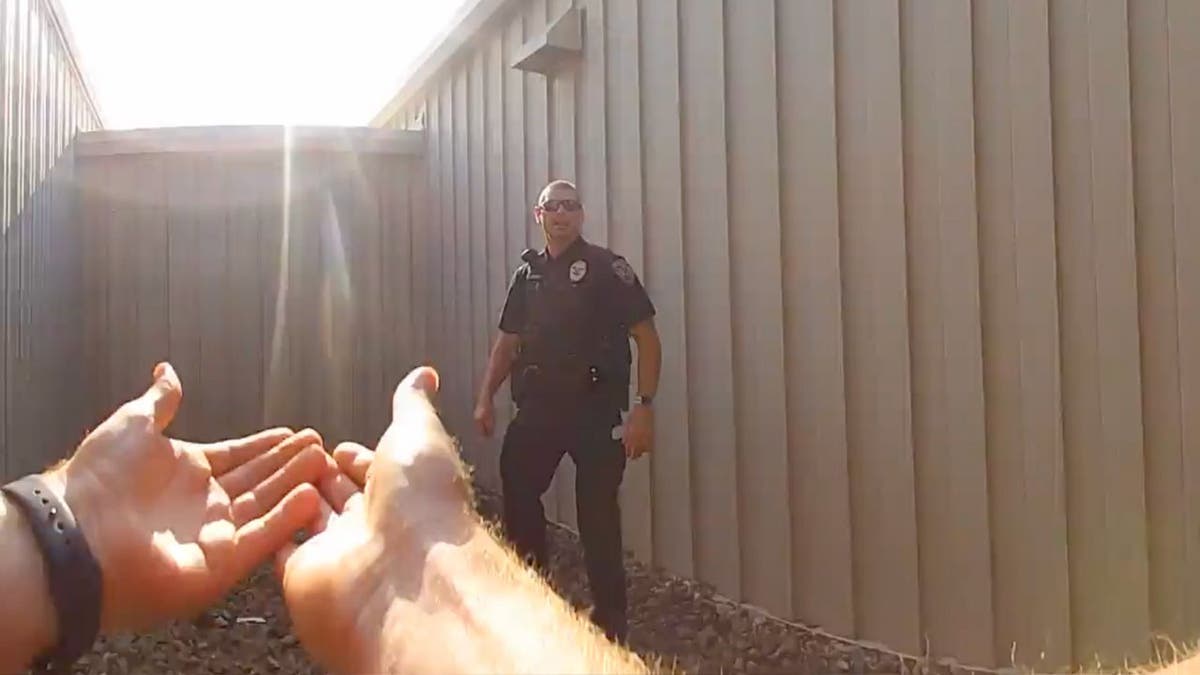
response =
{"points": [[564, 340]]}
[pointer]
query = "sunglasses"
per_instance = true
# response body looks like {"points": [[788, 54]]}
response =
{"points": [[556, 205]]}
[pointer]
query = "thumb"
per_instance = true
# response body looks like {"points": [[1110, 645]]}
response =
{"points": [[422, 383], [163, 397]]}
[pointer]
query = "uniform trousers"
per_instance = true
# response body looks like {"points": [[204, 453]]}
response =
{"points": [[533, 446]]}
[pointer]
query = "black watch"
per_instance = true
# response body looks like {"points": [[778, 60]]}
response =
{"points": [[643, 399], [74, 576]]}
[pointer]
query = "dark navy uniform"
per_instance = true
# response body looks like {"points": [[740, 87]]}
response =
{"points": [[570, 383]]}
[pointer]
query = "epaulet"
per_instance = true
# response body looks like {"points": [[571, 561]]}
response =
{"points": [[604, 254]]}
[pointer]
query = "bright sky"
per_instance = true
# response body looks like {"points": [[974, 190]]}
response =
{"points": [[207, 62]]}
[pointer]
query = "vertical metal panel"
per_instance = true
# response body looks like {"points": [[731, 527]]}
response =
{"points": [[517, 195], [1020, 333], [478, 265], [626, 233], [244, 183], [449, 297], [147, 261], [664, 281], [1172, 551], [421, 274], [460, 252], [561, 92], [1183, 37], [949, 439], [517, 203], [395, 189], [823, 584], [274, 216], [433, 230], [383, 340], [708, 311], [537, 131], [592, 115], [875, 303], [210, 260], [499, 258], [1102, 408], [757, 301]]}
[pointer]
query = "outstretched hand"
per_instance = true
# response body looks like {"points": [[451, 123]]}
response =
{"points": [[174, 524], [381, 511]]}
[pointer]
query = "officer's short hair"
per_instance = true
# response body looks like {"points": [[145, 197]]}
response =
{"points": [[561, 183]]}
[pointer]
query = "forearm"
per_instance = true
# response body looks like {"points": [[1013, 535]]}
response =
{"points": [[28, 629], [480, 610], [649, 363], [499, 366]]}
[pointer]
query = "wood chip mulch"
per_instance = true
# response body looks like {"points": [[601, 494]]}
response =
{"points": [[674, 621]]}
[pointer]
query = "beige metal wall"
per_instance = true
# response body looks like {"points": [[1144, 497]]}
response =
{"points": [[44, 102], [927, 292], [272, 268]]}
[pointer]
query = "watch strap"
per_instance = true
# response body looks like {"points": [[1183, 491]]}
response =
{"points": [[74, 576]]}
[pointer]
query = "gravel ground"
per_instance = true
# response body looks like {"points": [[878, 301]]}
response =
{"points": [[677, 621]]}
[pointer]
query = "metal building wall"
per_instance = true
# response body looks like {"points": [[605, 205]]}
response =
{"points": [[271, 268], [927, 291], [44, 102]]}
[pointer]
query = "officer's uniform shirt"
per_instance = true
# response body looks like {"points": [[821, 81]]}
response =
{"points": [[586, 294], [589, 286]]}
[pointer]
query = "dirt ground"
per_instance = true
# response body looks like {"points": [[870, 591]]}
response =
{"points": [[675, 620]]}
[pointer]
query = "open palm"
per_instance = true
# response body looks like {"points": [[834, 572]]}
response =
{"points": [[174, 524], [341, 583]]}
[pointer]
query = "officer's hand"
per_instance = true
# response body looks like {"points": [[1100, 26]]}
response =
{"points": [[174, 525], [639, 432], [485, 417]]}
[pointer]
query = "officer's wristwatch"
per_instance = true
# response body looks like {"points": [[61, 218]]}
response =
{"points": [[643, 399]]}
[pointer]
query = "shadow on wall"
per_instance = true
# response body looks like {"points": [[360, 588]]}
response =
{"points": [[42, 393]]}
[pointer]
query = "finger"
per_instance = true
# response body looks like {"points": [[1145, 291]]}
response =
{"points": [[306, 467], [244, 477], [259, 538], [229, 454], [214, 543], [355, 461], [337, 489], [324, 517], [161, 401]]}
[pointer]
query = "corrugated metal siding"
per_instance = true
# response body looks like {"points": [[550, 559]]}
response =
{"points": [[278, 281], [45, 102], [926, 290]]}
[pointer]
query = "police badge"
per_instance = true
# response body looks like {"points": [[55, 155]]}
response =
{"points": [[578, 270]]}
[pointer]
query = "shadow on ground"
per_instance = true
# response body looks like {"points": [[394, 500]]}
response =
{"points": [[678, 621]]}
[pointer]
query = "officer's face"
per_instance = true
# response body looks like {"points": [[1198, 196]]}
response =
{"points": [[560, 213]]}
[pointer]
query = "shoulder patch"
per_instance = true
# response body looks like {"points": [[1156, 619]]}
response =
{"points": [[623, 271]]}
